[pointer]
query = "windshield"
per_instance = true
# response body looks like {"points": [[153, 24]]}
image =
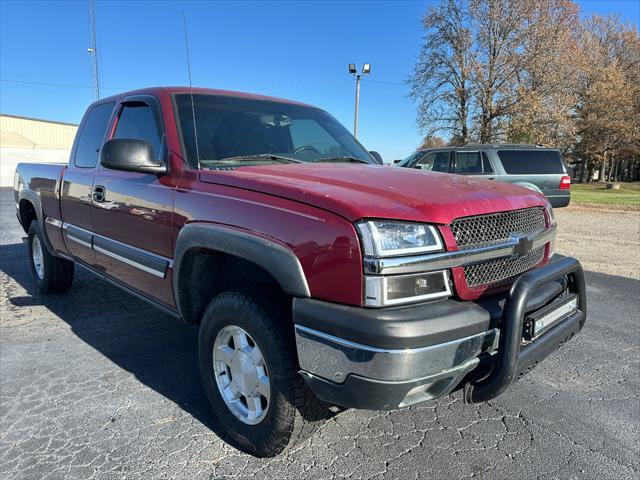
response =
{"points": [[235, 131], [409, 160]]}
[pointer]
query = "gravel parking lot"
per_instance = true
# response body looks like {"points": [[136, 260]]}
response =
{"points": [[96, 384]]}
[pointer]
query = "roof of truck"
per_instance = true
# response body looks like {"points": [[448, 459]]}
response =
{"points": [[209, 91]]}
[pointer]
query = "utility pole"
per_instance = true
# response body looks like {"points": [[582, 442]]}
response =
{"points": [[366, 69], [93, 52]]}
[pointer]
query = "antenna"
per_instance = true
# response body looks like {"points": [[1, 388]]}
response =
{"points": [[193, 109], [93, 51]]}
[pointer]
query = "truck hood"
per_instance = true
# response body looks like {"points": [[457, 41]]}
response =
{"points": [[357, 191]]}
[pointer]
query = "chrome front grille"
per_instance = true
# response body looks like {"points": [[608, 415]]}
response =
{"points": [[497, 227], [494, 228], [501, 271]]}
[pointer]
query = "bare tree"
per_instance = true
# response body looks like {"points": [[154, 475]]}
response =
{"points": [[499, 27], [532, 71], [432, 142], [544, 96], [440, 84], [607, 111]]}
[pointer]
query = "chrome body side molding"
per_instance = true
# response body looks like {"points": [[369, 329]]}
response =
{"points": [[135, 257]]}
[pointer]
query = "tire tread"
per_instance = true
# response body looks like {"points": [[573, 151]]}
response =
{"points": [[305, 412]]}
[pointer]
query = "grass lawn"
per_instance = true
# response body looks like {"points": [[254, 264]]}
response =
{"points": [[628, 195]]}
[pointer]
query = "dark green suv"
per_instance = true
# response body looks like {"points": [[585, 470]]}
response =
{"points": [[538, 168]]}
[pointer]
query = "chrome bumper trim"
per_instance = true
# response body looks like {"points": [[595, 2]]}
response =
{"points": [[458, 258], [334, 358]]}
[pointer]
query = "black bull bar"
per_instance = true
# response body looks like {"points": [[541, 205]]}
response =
{"points": [[514, 359]]}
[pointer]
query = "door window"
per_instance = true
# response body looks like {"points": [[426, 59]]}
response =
{"points": [[92, 134], [434, 161], [468, 163], [137, 122], [486, 164]]}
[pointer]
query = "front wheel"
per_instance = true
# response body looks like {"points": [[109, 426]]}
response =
{"points": [[249, 372], [52, 274]]}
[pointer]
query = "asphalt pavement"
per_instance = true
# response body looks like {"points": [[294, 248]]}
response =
{"points": [[95, 384]]}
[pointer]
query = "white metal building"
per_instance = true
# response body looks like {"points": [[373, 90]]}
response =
{"points": [[24, 139]]}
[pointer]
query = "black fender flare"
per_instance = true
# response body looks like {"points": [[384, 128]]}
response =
{"points": [[33, 198], [273, 257]]}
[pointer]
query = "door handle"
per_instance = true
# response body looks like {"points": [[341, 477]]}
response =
{"points": [[99, 193]]}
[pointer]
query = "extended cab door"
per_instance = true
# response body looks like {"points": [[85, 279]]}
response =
{"points": [[77, 182], [133, 211]]}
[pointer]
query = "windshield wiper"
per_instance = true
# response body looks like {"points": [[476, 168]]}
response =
{"points": [[261, 156], [341, 159]]}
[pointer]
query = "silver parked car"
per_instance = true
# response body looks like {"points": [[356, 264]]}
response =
{"points": [[539, 168]]}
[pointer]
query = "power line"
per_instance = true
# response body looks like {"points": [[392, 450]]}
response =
{"points": [[102, 87], [382, 82], [65, 85]]}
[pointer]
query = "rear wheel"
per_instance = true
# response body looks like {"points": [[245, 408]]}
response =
{"points": [[52, 274], [250, 375]]}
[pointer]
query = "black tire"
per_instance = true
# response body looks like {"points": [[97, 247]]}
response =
{"points": [[57, 273], [294, 413]]}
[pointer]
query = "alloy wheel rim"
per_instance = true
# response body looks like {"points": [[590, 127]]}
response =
{"points": [[38, 257], [241, 375]]}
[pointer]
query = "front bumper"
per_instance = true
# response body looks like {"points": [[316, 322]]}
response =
{"points": [[382, 359]]}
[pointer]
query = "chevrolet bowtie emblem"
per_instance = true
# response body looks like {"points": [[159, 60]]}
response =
{"points": [[523, 246]]}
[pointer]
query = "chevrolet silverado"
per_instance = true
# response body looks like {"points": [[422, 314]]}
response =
{"points": [[316, 276]]}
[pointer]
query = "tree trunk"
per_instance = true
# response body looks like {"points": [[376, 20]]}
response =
{"points": [[613, 169], [583, 170]]}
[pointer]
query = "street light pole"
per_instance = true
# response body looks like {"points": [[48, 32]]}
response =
{"points": [[366, 68], [355, 117]]}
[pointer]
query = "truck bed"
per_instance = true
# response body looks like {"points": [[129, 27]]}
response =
{"points": [[44, 180]]}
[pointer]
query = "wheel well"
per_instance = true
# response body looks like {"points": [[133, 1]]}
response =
{"points": [[205, 273], [27, 214]]}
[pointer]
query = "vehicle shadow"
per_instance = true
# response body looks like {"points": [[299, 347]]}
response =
{"points": [[157, 349]]}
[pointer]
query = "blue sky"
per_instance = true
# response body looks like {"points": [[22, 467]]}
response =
{"points": [[297, 50]]}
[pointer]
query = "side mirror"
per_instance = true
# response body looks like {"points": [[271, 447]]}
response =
{"points": [[131, 155], [377, 156], [397, 161]]}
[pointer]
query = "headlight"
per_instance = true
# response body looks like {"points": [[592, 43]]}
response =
{"points": [[551, 215], [552, 223], [382, 238], [396, 289]]}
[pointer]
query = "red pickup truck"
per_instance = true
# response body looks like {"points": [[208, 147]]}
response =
{"points": [[316, 276]]}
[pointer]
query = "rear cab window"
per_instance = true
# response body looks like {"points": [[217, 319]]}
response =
{"points": [[92, 135], [531, 162]]}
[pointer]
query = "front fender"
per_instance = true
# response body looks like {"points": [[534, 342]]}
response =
{"points": [[272, 256]]}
